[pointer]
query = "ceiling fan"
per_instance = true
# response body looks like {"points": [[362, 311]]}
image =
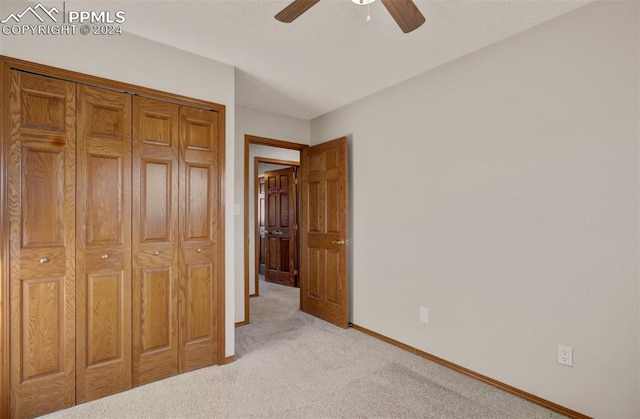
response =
{"points": [[404, 12]]}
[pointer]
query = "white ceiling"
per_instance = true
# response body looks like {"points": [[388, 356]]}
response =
{"points": [[330, 56]]}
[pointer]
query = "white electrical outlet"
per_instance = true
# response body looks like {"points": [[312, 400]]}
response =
{"points": [[565, 355], [424, 314]]}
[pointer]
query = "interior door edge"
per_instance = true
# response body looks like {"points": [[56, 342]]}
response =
{"points": [[4, 239]]}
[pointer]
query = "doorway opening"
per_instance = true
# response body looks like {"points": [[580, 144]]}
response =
{"points": [[276, 225], [324, 232], [253, 144]]}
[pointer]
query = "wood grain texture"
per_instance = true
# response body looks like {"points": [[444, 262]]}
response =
{"points": [[103, 214], [199, 229], [294, 10], [405, 13], [4, 237], [502, 386], [324, 281], [90, 80], [104, 126], [228, 360], [41, 244], [280, 221], [220, 253], [155, 240]]}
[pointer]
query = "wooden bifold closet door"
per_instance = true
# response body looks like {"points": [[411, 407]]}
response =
{"points": [[176, 173], [103, 214], [42, 244], [155, 240], [115, 248], [199, 237]]}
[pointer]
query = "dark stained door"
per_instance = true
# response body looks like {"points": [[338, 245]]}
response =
{"points": [[324, 241], [280, 225], [262, 227]]}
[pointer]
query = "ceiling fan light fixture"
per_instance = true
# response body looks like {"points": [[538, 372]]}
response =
{"points": [[404, 12]]}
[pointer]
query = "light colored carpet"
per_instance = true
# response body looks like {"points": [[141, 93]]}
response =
{"points": [[293, 365]]}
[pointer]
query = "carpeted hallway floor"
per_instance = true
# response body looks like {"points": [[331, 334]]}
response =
{"points": [[293, 365]]}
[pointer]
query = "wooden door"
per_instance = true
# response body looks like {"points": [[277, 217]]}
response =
{"points": [[103, 362], [262, 226], [155, 240], [280, 225], [324, 235], [42, 244], [200, 243]]}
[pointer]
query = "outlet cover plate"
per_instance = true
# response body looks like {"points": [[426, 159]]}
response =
{"points": [[424, 314], [565, 355]]}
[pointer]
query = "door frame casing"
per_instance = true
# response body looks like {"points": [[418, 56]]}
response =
{"points": [[257, 161], [270, 142], [4, 238], [9, 63]]}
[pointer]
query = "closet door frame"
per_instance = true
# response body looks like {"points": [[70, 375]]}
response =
{"points": [[9, 63], [5, 128]]}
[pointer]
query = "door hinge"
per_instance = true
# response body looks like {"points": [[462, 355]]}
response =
{"points": [[295, 181], [295, 227], [295, 272]]}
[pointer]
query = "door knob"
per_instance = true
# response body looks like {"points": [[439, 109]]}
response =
{"points": [[44, 260], [340, 242], [156, 253], [199, 251], [104, 257]]}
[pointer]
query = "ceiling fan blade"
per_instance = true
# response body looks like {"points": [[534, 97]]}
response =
{"points": [[405, 13], [294, 10]]}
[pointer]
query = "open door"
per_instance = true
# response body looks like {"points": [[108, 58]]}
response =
{"points": [[262, 224], [280, 245], [324, 277]]}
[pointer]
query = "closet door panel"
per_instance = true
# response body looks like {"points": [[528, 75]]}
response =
{"points": [[43, 170], [155, 240], [103, 364], [199, 218], [42, 244], [156, 310], [104, 207], [42, 341], [198, 292], [104, 323]]}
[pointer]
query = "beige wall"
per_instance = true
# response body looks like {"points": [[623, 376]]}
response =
{"points": [[261, 124], [135, 60], [508, 203], [501, 192]]}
